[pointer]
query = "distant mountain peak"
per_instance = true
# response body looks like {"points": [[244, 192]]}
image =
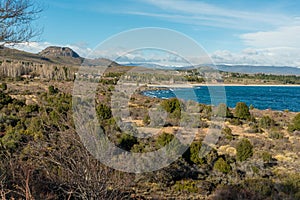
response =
{"points": [[54, 51]]}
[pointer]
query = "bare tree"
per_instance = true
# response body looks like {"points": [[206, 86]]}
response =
{"points": [[16, 17]]}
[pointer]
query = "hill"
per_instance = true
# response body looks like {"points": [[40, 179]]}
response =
{"points": [[51, 55]]}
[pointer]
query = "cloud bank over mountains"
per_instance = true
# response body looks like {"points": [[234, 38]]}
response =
{"points": [[275, 56]]}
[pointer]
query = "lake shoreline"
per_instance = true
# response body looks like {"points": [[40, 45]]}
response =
{"points": [[262, 97], [185, 85]]}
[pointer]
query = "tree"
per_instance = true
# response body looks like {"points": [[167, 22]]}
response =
{"points": [[244, 150], [242, 111], [16, 17]]}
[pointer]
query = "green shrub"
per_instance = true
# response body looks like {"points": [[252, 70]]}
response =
{"points": [[173, 143], [222, 166], [127, 141], [3, 86], [266, 156], [4, 99], [227, 132], [255, 169], [164, 139], [242, 111], [52, 90], [171, 105], [31, 108], [186, 186], [254, 128], [236, 122], [266, 122], [291, 185], [194, 151], [295, 125], [262, 187], [146, 119], [244, 150], [103, 112], [275, 135]]}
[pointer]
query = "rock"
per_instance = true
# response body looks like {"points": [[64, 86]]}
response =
{"points": [[59, 51]]}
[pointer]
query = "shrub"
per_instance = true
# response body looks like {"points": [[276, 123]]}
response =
{"points": [[186, 186], [52, 90], [236, 122], [223, 111], [173, 143], [222, 166], [31, 108], [242, 111], [291, 185], [127, 141], [244, 150], [255, 129], [255, 169], [171, 105], [263, 188], [146, 119], [164, 139], [3, 86], [194, 151], [103, 112], [227, 132], [275, 135], [295, 126], [266, 156], [4, 99], [266, 122]]}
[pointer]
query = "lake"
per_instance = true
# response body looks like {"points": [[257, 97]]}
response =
{"points": [[261, 97]]}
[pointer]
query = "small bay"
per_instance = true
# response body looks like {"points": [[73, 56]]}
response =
{"points": [[262, 97]]}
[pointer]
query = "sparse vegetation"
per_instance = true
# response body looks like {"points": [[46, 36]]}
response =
{"points": [[226, 160]]}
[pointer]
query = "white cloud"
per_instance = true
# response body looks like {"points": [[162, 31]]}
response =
{"points": [[276, 56], [287, 36], [35, 47], [280, 56]]}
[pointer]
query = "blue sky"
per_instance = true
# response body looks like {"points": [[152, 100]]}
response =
{"points": [[258, 32]]}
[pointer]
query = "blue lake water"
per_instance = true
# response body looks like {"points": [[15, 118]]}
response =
{"points": [[261, 97]]}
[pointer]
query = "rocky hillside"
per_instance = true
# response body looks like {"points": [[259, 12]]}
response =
{"points": [[54, 63], [59, 51], [15, 63]]}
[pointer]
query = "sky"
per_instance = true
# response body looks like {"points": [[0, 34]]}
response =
{"points": [[257, 32]]}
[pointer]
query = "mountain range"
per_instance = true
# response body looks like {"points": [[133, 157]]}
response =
{"points": [[67, 57]]}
